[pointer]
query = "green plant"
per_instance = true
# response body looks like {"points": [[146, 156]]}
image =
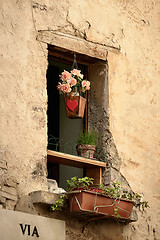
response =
{"points": [[59, 203], [88, 138], [76, 182], [116, 192]]}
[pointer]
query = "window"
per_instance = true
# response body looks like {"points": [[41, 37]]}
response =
{"points": [[63, 166]]}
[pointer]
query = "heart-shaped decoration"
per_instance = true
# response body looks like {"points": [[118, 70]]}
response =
{"points": [[72, 104]]}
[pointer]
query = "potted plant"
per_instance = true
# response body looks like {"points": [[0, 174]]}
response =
{"points": [[110, 202], [73, 86], [86, 144]]}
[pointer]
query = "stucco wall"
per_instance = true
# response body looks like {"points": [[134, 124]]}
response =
{"points": [[23, 121], [134, 92], [134, 107]]}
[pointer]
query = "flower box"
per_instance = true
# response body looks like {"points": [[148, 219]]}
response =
{"points": [[93, 202]]}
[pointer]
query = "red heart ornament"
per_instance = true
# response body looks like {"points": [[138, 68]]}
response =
{"points": [[72, 104]]}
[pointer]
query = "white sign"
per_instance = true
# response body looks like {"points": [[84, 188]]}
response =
{"points": [[23, 226]]}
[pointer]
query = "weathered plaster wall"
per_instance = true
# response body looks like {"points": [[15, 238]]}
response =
{"points": [[134, 107], [23, 98], [134, 115]]}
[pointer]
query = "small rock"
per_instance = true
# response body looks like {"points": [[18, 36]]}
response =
{"points": [[59, 191], [52, 185]]}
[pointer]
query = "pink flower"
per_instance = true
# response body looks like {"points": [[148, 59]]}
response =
{"points": [[59, 87], [69, 81], [87, 85], [76, 72], [65, 76], [73, 82], [66, 88], [84, 83], [81, 76]]}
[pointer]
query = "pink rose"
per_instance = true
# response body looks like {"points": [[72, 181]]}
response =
{"points": [[59, 87], [73, 82], [65, 76], [84, 83], [81, 76], [76, 72], [87, 85], [66, 88]]}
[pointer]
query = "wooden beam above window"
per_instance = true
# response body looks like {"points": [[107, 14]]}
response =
{"points": [[66, 56], [74, 44]]}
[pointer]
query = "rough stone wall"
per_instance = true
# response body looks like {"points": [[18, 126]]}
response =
{"points": [[98, 119], [134, 115]]}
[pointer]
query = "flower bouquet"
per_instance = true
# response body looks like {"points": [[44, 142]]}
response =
{"points": [[72, 82], [72, 85]]}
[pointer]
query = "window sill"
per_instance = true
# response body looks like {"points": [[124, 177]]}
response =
{"points": [[74, 161]]}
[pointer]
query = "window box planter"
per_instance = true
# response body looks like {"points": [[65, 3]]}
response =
{"points": [[96, 203], [105, 202]]}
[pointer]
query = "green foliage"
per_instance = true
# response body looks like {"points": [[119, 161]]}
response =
{"points": [[76, 182], [115, 192], [88, 138], [116, 214], [59, 202]]}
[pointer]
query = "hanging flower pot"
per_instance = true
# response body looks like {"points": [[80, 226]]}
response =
{"points": [[75, 106], [73, 85]]}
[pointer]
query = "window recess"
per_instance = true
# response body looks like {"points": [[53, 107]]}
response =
{"points": [[63, 162]]}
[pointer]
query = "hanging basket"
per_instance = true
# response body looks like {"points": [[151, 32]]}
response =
{"points": [[75, 106]]}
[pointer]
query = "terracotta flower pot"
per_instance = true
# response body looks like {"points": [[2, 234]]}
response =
{"points": [[95, 203], [86, 151]]}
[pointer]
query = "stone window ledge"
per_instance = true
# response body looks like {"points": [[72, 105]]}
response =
{"points": [[44, 197]]}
